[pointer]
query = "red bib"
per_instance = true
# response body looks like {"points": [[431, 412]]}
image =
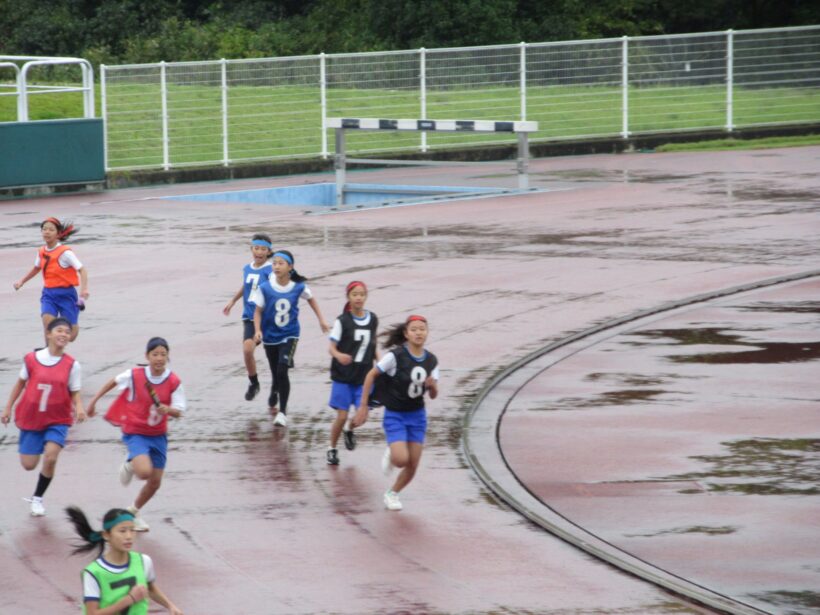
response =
{"points": [[139, 415], [46, 399]]}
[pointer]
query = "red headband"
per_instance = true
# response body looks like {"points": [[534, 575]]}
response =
{"points": [[353, 285], [413, 317]]}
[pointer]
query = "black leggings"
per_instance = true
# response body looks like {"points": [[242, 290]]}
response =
{"points": [[280, 385]]}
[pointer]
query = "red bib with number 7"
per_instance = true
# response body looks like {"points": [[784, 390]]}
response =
{"points": [[46, 399], [137, 414]]}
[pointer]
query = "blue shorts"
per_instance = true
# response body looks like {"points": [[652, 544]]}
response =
{"points": [[405, 426], [156, 447], [34, 442], [344, 395], [60, 302]]}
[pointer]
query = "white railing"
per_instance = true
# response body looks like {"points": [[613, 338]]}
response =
{"points": [[23, 88], [228, 111]]}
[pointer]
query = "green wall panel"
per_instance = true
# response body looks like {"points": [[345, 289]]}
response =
{"points": [[51, 152]]}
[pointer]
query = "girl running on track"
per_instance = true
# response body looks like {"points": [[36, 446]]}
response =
{"points": [[276, 324], [353, 348], [50, 382], [405, 373], [253, 274], [62, 271], [150, 394], [119, 580]]}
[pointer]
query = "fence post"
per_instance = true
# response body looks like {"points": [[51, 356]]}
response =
{"points": [[522, 78], [423, 86], [224, 69], [323, 101], [625, 87], [163, 91], [730, 67], [104, 113]]}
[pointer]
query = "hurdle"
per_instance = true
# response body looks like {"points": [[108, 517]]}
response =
{"points": [[522, 129]]}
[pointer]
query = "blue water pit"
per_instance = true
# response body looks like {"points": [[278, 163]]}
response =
{"points": [[356, 195]]}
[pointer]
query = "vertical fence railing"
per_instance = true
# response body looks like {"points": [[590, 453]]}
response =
{"points": [[278, 107]]}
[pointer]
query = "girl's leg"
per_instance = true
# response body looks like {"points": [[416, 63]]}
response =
{"points": [[405, 455], [338, 425], [248, 346], [283, 386], [272, 353], [75, 331], [47, 318], [29, 462], [151, 486]]}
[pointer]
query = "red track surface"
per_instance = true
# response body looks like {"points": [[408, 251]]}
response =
{"points": [[248, 522]]}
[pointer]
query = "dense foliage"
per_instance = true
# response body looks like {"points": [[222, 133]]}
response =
{"points": [[136, 31]]}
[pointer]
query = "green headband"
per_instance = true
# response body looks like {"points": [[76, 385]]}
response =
{"points": [[126, 516]]}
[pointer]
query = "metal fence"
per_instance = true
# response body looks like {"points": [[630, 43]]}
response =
{"points": [[227, 111]]}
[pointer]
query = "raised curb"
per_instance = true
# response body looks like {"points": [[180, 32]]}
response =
{"points": [[480, 441]]}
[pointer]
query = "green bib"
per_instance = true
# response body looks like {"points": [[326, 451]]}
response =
{"points": [[116, 585]]}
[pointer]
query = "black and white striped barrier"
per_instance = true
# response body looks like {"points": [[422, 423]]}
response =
{"points": [[340, 124]]}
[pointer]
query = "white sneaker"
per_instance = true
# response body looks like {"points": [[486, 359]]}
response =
{"points": [[391, 500], [387, 464], [126, 473], [139, 523], [281, 419], [37, 508]]}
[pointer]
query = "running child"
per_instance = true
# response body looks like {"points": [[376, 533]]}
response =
{"points": [[119, 580], [50, 382], [253, 274], [353, 348], [405, 373], [150, 394], [276, 324], [62, 271]]}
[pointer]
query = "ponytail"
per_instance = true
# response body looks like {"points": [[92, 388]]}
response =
{"points": [[92, 539], [64, 229]]}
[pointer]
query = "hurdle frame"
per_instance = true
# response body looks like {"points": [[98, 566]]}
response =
{"points": [[341, 124]]}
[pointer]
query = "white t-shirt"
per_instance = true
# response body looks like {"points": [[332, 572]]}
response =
{"points": [[387, 365], [336, 331], [124, 381], [67, 259], [91, 589], [46, 358], [259, 299]]}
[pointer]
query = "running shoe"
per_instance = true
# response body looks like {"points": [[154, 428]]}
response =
{"points": [[350, 439], [281, 419], [332, 457], [126, 473], [253, 389], [37, 508], [387, 464], [139, 523], [391, 500]]}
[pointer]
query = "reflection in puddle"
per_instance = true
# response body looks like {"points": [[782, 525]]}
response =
{"points": [[694, 529], [801, 601], [762, 466], [763, 353]]}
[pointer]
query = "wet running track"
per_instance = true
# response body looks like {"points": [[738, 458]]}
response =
{"points": [[687, 439]]}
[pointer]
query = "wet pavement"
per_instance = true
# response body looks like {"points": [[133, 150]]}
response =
{"points": [[251, 520]]}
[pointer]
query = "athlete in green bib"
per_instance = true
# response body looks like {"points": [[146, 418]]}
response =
{"points": [[120, 581]]}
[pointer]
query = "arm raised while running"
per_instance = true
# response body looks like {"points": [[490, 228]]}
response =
{"points": [[315, 307], [361, 415], [91, 411], [227, 309], [15, 393], [34, 271]]}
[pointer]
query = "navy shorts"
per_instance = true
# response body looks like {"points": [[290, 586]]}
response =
{"points": [[60, 302], [34, 442], [281, 354], [248, 330], [405, 426], [156, 447]]}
